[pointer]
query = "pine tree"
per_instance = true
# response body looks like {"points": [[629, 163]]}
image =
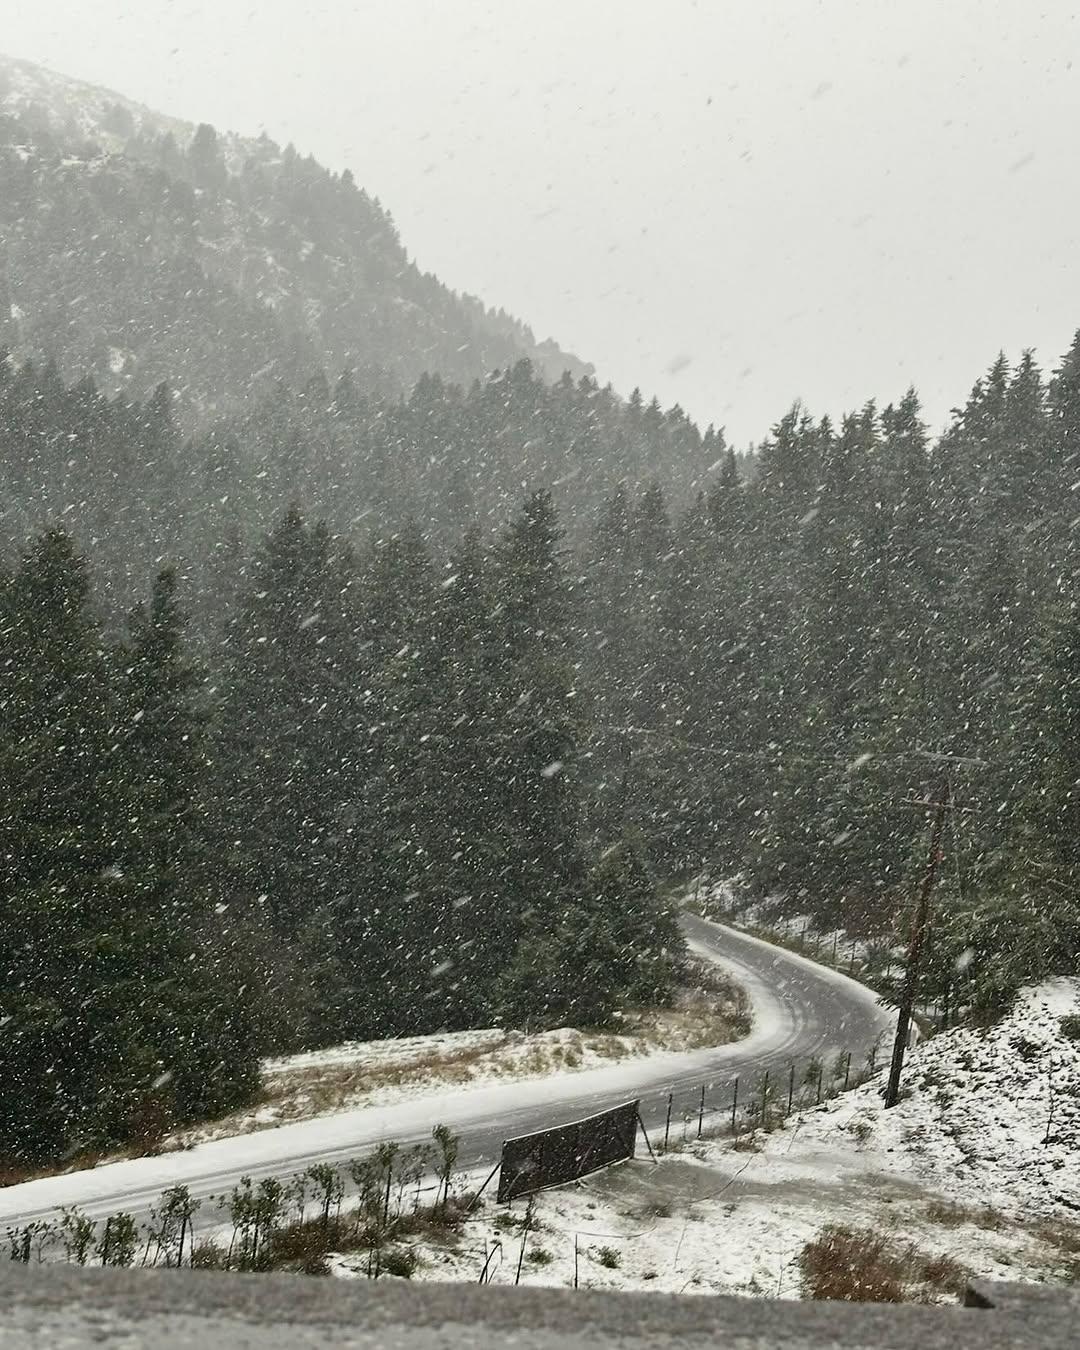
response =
{"points": [[1064, 411], [284, 760], [79, 954], [208, 1018]]}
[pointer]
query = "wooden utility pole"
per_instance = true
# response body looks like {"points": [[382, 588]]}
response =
{"points": [[919, 930]]}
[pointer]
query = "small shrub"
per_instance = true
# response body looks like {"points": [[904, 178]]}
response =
{"points": [[118, 1241], [400, 1261], [1070, 1026], [841, 1264], [77, 1232], [862, 1266], [304, 1246], [941, 1272], [1026, 1048], [648, 1274], [862, 1130], [540, 1256], [609, 1257], [208, 1255], [945, 1213]]}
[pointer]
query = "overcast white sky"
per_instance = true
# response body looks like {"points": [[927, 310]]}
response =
{"points": [[730, 203]]}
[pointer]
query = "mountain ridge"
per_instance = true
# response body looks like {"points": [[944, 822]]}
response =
{"points": [[136, 247]]}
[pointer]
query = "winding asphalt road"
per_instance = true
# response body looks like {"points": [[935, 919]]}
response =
{"points": [[802, 1011]]}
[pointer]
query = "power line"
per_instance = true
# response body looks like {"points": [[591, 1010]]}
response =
{"points": [[776, 754]]}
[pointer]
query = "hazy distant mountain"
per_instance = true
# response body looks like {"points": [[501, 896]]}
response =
{"points": [[137, 248]]}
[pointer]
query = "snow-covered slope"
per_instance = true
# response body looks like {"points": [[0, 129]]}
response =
{"points": [[137, 248], [989, 1117], [73, 107], [976, 1168]]}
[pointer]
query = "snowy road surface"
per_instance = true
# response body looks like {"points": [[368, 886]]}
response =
{"points": [[801, 1010]]}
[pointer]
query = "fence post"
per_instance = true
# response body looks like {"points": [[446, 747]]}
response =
{"points": [[480, 1192], [667, 1123], [734, 1106], [526, 1228], [645, 1133], [791, 1087], [820, 1072], [701, 1112], [847, 1070], [764, 1100]]}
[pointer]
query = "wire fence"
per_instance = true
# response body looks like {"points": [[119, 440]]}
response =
{"points": [[746, 1103], [739, 1108]]}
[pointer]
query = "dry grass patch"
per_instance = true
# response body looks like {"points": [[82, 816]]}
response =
{"points": [[313, 1091], [1056, 1241], [860, 1265], [13, 1175], [707, 1010], [948, 1214], [1063, 1238], [299, 1093]]}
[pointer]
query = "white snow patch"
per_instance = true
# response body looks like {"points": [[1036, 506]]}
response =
{"points": [[964, 1167], [402, 1051]]}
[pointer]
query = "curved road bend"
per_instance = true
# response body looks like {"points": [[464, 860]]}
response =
{"points": [[801, 1011]]}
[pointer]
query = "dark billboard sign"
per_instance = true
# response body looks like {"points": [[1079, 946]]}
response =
{"points": [[552, 1157]]}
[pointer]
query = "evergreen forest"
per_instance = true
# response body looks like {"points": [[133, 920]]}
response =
{"points": [[358, 715]]}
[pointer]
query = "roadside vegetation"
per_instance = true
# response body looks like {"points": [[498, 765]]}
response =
{"points": [[863, 1266], [376, 1205]]}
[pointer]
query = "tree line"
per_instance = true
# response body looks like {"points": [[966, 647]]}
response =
{"points": [[125, 479], [414, 766], [866, 621], [366, 822]]}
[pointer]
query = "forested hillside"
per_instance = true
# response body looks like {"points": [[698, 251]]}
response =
{"points": [[135, 248], [797, 653], [123, 478], [400, 773], [367, 821], [364, 664]]}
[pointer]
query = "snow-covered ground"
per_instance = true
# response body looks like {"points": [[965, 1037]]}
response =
{"points": [[977, 1164], [381, 1073], [420, 1088], [728, 902]]}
